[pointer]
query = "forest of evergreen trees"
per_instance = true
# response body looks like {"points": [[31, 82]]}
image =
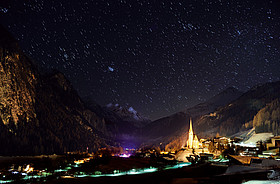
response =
{"points": [[268, 118]]}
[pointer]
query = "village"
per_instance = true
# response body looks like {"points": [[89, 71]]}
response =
{"points": [[256, 157]]}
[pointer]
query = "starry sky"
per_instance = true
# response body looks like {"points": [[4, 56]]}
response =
{"points": [[158, 56]]}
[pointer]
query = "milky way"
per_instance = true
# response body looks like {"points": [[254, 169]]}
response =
{"points": [[158, 56]]}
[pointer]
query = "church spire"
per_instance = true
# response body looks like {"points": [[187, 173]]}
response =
{"points": [[190, 130], [190, 140], [193, 141]]}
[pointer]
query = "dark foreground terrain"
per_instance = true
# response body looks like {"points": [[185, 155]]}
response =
{"points": [[62, 170], [192, 174]]}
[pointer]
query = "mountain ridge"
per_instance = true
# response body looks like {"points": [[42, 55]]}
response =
{"points": [[42, 114], [229, 119], [168, 129]]}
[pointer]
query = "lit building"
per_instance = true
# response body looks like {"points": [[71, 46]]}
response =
{"points": [[193, 141], [194, 147], [275, 143]]}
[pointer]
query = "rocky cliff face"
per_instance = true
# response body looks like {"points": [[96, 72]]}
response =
{"points": [[17, 84], [42, 114]]}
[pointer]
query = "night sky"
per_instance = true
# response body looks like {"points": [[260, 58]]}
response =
{"points": [[158, 56]]}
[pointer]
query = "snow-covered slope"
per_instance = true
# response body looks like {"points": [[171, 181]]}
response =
{"points": [[258, 137], [128, 114]]}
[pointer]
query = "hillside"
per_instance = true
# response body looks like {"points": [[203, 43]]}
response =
{"points": [[42, 114], [227, 113], [268, 118], [219, 100], [173, 129], [123, 124], [233, 117], [127, 114]]}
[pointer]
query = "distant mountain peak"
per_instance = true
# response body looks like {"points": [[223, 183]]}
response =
{"points": [[128, 114]]}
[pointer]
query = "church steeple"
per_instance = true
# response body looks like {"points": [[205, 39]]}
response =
{"points": [[193, 141], [190, 139], [190, 130]]}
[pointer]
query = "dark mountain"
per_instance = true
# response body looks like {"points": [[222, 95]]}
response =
{"points": [[124, 124], [128, 115], [175, 127], [39, 113], [226, 114], [237, 115], [43, 114], [130, 128], [213, 103]]}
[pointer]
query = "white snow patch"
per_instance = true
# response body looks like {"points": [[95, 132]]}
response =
{"points": [[132, 110], [262, 182], [258, 137], [135, 117]]}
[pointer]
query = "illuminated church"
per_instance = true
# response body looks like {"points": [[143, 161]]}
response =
{"points": [[193, 141]]}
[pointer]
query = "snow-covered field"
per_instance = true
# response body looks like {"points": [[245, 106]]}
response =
{"points": [[258, 137], [262, 182]]}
